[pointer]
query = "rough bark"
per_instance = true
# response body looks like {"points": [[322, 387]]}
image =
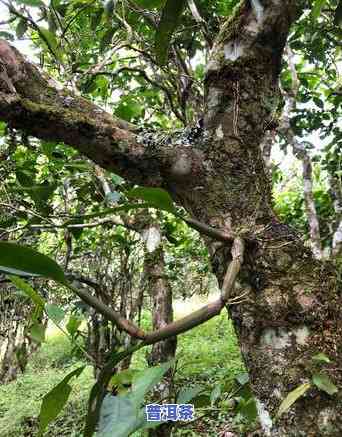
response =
{"points": [[31, 102], [294, 303], [293, 307]]}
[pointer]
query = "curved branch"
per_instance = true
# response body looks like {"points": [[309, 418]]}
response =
{"points": [[194, 319], [109, 313]]}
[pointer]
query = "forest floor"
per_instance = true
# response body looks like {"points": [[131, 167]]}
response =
{"points": [[207, 356]]}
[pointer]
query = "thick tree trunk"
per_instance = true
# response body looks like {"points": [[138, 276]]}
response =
{"points": [[293, 310]]}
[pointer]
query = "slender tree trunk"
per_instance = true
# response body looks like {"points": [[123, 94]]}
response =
{"points": [[15, 346], [160, 292], [301, 153], [310, 208], [162, 312], [336, 194]]}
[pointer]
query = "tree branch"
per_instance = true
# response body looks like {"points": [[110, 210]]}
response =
{"points": [[109, 313], [208, 311], [30, 102], [196, 318]]}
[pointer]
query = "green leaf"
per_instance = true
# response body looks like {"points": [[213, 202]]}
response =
{"points": [[187, 394], [128, 109], [21, 28], [96, 390], [292, 397], [37, 332], [33, 3], [116, 179], [201, 401], [338, 14], [54, 312], [242, 378], [24, 261], [170, 18], [73, 324], [323, 382], [248, 409], [321, 357], [50, 39], [24, 178], [41, 193], [107, 38], [156, 197], [317, 7], [2, 128], [151, 4], [28, 290], [118, 417], [55, 400], [123, 378], [147, 379], [6, 35], [215, 394]]}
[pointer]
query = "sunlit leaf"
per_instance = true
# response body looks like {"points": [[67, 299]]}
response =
{"points": [[291, 398], [73, 324], [54, 312], [37, 332], [31, 2], [28, 290], [316, 10], [156, 197], [321, 357], [50, 39], [323, 382], [55, 400]]}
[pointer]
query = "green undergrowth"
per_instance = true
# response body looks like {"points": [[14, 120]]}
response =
{"points": [[206, 355]]}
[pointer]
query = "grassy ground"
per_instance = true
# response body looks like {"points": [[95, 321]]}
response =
{"points": [[207, 355]]}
